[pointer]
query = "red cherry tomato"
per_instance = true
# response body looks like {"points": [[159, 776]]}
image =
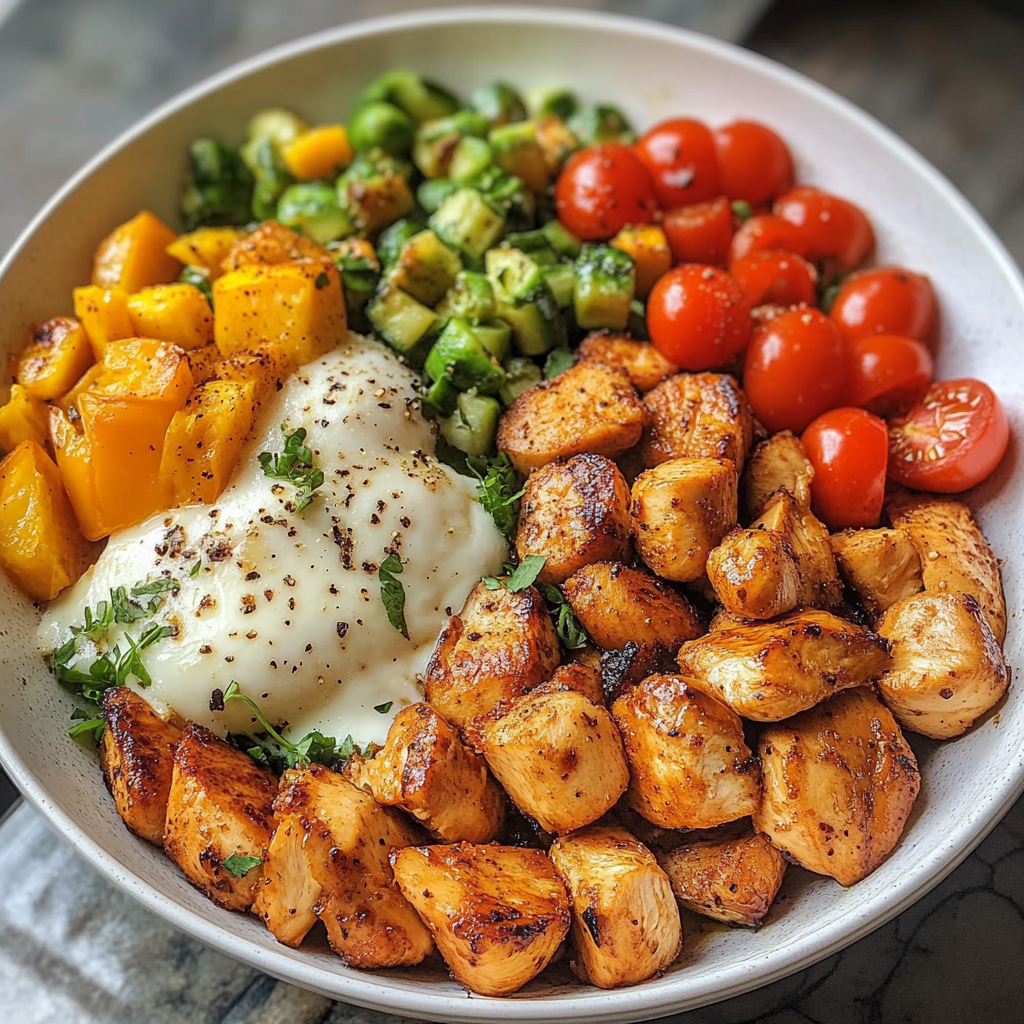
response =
{"points": [[848, 449], [832, 227], [775, 276], [753, 162], [700, 233], [889, 300], [888, 373], [602, 189], [679, 155], [765, 231], [795, 369], [698, 318], [951, 440]]}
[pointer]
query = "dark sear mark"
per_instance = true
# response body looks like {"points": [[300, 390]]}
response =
{"points": [[343, 538]]}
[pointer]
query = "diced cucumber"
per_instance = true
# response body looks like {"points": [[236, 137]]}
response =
{"points": [[603, 123], [499, 103], [405, 324], [553, 102], [471, 156], [471, 428], [470, 297], [420, 98], [561, 280], [441, 399], [509, 194], [520, 375], [467, 222], [561, 239], [517, 152], [436, 140], [459, 355], [425, 268], [433, 192], [525, 300], [516, 277], [312, 207], [393, 238], [605, 280], [496, 337]]}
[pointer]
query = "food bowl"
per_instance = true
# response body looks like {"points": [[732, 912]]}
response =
{"points": [[651, 71]]}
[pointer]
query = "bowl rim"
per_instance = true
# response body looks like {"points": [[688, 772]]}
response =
{"points": [[361, 988]]}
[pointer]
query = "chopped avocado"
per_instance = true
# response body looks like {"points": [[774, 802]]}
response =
{"points": [[433, 192], [405, 324], [312, 207], [521, 374], [525, 300], [470, 297], [393, 238], [499, 103], [517, 152], [436, 140], [459, 355], [425, 268], [467, 222], [470, 157], [471, 428], [605, 279]]}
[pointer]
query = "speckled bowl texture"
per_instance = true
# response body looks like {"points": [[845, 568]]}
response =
{"points": [[652, 71]]}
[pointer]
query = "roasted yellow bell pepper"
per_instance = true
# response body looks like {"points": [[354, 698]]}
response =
{"points": [[205, 248], [23, 418], [266, 367], [648, 246], [69, 402], [135, 255], [178, 313], [273, 243], [203, 362], [319, 152], [104, 316], [58, 354]]}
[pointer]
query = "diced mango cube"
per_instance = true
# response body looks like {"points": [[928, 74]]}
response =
{"points": [[648, 246], [273, 243], [178, 313], [266, 367], [205, 248], [23, 418], [135, 255], [319, 152], [104, 316], [58, 354]]}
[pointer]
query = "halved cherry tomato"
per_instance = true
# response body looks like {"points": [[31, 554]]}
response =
{"points": [[889, 374], [679, 154], [832, 227], [775, 276], [602, 189], [698, 318], [700, 233], [765, 231], [795, 369], [889, 300], [848, 449], [951, 440], [753, 162]]}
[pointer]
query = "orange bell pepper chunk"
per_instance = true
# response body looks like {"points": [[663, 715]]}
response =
{"points": [[135, 255], [648, 246], [178, 313], [319, 152], [58, 354], [23, 418], [104, 316]]}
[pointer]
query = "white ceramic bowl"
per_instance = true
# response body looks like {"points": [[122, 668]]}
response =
{"points": [[651, 71]]}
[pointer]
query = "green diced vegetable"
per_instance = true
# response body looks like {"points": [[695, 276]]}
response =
{"points": [[393, 238], [520, 375], [219, 187], [277, 124], [459, 355], [562, 281], [466, 221], [312, 208], [420, 98], [433, 192], [496, 337], [425, 267], [383, 126], [525, 300], [375, 191], [603, 123], [471, 428], [471, 297], [637, 325], [405, 324], [199, 278], [553, 103], [499, 103], [561, 239], [471, 156], [441, 399], [605, 279], [515, 276], [436, 140], [360, 274], [558, 361], [509, 194], [517, 152], [269, 130]]}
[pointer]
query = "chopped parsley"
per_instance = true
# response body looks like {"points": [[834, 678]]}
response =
{"points": [[194, 571], [741, 210], [239, 866], [295, 465], [522, 576], [567, 626], [322, 280], [499, 489], [392, 593], [383, 708]]}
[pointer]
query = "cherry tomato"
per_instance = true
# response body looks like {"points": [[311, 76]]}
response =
{"points": [[602, 189], [848, 449], [888, 373], [832, 227], [765, 231], [680, 156], [889, 300], [795, 369], [753, 162], [775, 276], [698, 318], [700, 233], [951, 440]]}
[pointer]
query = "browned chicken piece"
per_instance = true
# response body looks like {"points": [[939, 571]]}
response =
{"points": [[272, 242], [820, 585], [583, 679], [559, 756], [780, 462], [497, 913], [754, 574], [732, 879], [726, 620], [947, 666], [220, 807], [771, 671], [137, 757], [589, 408], [955, 557], [646, 366], [839, 783], [625, 921], [630, 464], [881, 565], [697, 416], [426, 770], [622, 670], [575, 511], [681, 510], [688, 763], [500, 645]]}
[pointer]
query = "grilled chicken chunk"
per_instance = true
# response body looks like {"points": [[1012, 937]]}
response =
{"points": [[697, 416], [681, 510], [839, 783], [947, 667], [780, 462], [688, 763], [646, 366], [589, 408], [575, 511], [137, 757], [220, 806], [625, 921], [881, 565], [732, 878], [497, 913], [755, 574], [426, 770], [769, 672], [573, 675], [559, 756]]}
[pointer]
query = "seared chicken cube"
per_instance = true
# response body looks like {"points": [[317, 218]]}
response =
{"points": [[497, 913], [754, 574], [688, 763], [583, 679], [622, 670], [727, 620], [769, 672], [947, 667], [646, 366], [681, 510], [881, 565], [780, 462], [220, 807], [559, 756], [839, 783], [625, 921], [575, 511], [137, 757], [426, 770], [589, 408]]}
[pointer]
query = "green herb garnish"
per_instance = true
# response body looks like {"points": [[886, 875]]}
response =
{"points": [[295, 465], [85, 727], [567, 626], [240, 866], [383, 708], [499, 490], [522, 576], [558, 361], [194, 571], [742, 210], [322, 281], [392, 593]]}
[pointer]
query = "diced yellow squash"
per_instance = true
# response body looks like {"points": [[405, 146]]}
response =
{"points": [[273, 243], [266, 367], [104, 316], [178, 313], [41, 547], [319, 152], [648, 246], [23, 418], [69, 402], [58, 354], [296, 306], [205, 248], [135, 255]]}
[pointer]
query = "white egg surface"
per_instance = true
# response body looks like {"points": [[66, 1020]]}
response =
{"points": [[288, 604]]}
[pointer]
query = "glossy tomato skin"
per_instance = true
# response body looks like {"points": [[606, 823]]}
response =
{"points": [[679, 155], [951, 440], [700, 233], [832, 228], [775, 276], [795, 369], [602, 189], [889, 374], [849, 449], [698, 318], [766, 232], [889, 300], [754, 163]]}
